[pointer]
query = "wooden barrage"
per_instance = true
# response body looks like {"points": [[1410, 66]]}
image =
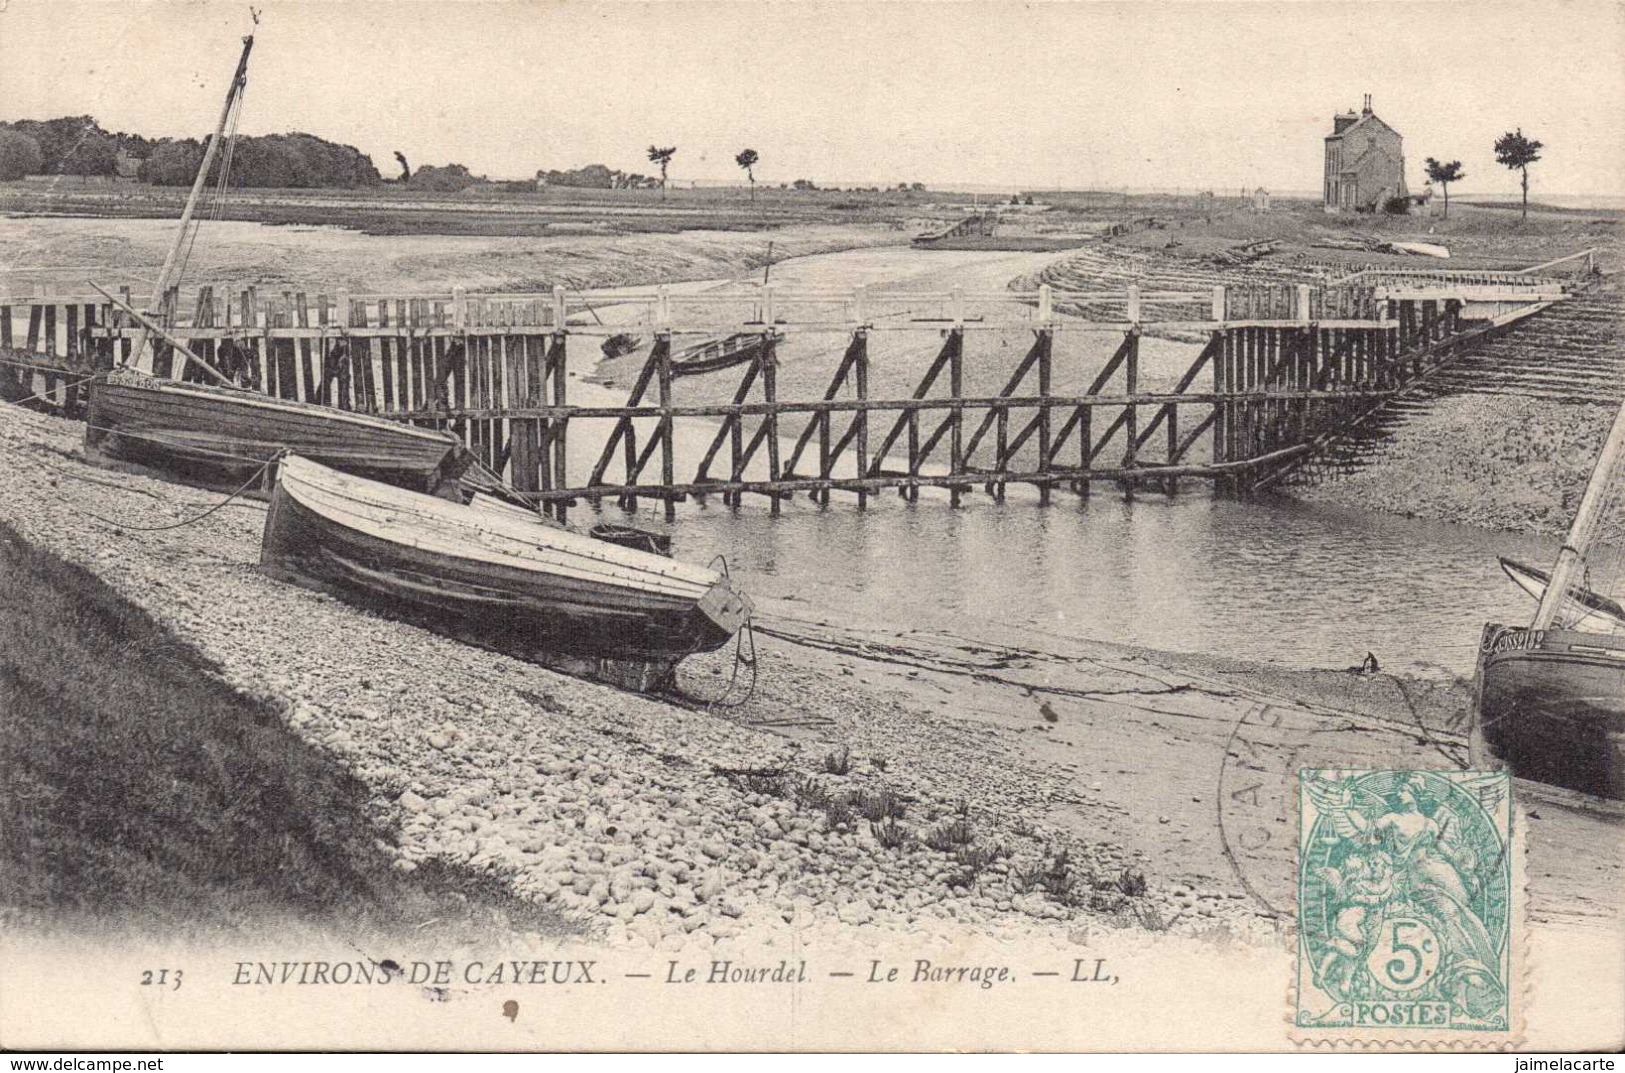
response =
{"points": [[1282, 368]]}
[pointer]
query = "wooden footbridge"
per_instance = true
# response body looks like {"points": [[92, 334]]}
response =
{"points": [[1282, 371]]}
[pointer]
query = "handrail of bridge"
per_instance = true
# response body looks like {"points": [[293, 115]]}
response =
{"points": [[757, 308], [726, 327], [1513, 276], [1590, 255]]}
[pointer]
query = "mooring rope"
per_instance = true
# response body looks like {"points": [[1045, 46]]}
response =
{"points": [[45, 396], [746, 634], [184, 521]]}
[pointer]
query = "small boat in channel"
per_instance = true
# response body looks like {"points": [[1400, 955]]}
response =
{"points": [[493, 575], [714, 355], [1584, 610]]}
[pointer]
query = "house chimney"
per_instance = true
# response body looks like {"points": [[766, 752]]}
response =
{"points": [[1367, 109]]}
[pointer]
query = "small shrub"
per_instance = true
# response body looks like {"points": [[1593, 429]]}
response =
{"points": [[1132, 883], [951, 836], [770, 785], [1397, 206], [810, 794], [838, 814], [879, 763], [754, 780], [1150, 917], [977, 858], [889, 833], [1055, 877], [877, 807], [838, 762]]}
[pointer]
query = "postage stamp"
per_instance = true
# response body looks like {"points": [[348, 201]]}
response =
{"points": [[1408, 907]]}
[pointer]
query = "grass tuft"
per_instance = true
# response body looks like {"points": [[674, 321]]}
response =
{"points": [[890, 834], [838, 762]]}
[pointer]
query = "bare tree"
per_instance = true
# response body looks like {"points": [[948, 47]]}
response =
{"points": [[662, 157], [1514, 151]]}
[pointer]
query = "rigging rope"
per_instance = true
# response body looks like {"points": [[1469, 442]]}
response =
{"points": [[222, 183]]}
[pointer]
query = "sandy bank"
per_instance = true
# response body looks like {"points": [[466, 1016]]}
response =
{"points": [[660, 825], [330, 259], [1491, 461]]}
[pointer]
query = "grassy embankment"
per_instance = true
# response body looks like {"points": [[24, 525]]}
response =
{"points": [[142, 790], [1477, 236]]}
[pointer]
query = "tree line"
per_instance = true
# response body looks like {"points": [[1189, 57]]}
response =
{"points": [[78, 145]]}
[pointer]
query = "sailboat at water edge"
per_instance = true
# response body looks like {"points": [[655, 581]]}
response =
{"points": [[1549, 698], [379, 513], [222, 433]]}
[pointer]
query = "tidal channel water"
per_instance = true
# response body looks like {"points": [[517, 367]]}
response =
{"points": [[1274, 582]]}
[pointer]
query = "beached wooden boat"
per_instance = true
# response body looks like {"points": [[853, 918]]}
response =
{"points": [[487, 574], [1551, 705], [219, 433], [225, 433], [1549, 699]]}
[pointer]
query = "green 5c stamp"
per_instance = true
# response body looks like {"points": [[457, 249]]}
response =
{"points": [[1408, 903]]}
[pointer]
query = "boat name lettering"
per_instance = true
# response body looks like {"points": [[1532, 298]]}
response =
{"points": [[1512, 639]]}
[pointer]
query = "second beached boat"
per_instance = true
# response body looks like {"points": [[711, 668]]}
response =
{"points": [[225, 434]]}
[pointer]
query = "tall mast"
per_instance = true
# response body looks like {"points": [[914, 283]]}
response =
{"points": [[166, 275], [1584, 529]]}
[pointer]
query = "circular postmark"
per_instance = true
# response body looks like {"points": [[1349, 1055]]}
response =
{"points": [[1266, 748]]}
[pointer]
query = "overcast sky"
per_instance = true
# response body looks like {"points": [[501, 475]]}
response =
{"points": [[1212, 94]]}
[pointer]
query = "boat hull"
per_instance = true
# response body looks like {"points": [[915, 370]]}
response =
{"points": [[615, 632], [719, 354], [221, 435], [1551, 705]]}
